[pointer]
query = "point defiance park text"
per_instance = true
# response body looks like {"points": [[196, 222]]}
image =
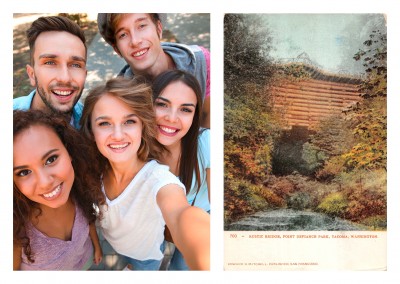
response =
{"points": [[303, 236]]}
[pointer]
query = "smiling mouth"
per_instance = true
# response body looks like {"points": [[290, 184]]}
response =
{"points": [[140, 52], [168, 130], [118, 146], [62, 93], [53, 193]]}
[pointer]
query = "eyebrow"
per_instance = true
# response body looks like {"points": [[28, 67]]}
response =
{"points": [[107, 117], [168, 101], [48, 153], [136, 21], [52, 56]]}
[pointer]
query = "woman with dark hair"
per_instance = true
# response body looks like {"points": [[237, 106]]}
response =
{"points": [[55, 199], [178, 104]]}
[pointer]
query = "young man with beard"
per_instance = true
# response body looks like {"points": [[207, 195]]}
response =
{"points": [[57, 68]]}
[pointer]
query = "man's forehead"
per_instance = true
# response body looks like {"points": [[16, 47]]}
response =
{"points": [[59, 43], [136, 17]]}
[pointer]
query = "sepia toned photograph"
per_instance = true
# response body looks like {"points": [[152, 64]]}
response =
{"points": [[305, 124]]}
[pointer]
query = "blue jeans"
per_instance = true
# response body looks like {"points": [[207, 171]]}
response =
{"points": [[148, 264], [177, 261]]}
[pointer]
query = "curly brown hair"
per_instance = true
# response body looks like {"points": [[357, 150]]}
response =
{"points": [[86, 189]]}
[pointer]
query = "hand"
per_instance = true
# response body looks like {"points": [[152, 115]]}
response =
{"points": [[98, 256]]}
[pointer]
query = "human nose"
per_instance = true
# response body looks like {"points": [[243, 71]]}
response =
{"points": [[117, 132], [44, 179], [135, 38], [172, 115], [63, 74]]}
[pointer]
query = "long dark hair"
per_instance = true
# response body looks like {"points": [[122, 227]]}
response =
{"points": [[188, 161], [86, 188]]}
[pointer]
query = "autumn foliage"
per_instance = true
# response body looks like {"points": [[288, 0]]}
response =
{"points": [[338, 169]]}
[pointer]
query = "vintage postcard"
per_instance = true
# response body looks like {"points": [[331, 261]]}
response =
{"points": [[305, 152]]}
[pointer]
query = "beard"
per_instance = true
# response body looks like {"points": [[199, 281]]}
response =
{"points": [[45, 98]]}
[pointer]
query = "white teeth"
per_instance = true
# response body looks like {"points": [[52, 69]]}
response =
{"points": [[119, 146], [54, 192], [140, 52], [168, 130], [62, 93]]}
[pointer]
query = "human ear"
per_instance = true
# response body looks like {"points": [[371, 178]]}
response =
{"points": [[159, 29], [31, 74]]}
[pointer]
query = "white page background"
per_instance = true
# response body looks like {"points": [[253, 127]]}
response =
{"points": [[217, 8]]}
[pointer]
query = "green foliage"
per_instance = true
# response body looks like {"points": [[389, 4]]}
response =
{"points": [[374, 57], [249, 134], [335, 204], [346, 154], [375, 222], [240, 199], [370, 151], [293, 72], [370, 118], [299, 201], [332, 167], [247, 43], [313, 157], [248, 123]]}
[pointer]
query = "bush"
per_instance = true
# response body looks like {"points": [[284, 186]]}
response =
{"points": [[375, 222], [366, 203], [299, 201], [335, 204], [273, 200], [240, 199]]}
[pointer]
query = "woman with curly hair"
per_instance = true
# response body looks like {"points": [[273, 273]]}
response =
{"points": [[55, 200]]}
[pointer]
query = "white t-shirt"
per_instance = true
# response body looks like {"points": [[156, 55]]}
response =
{"points": [[132, 223]]}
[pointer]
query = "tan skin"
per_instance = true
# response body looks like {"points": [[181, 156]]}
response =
{"points": [[190, 218], [164, 62], [42, 170], [171, 159], [58, 223], [181, 218], [175, 112], [114, 123]]}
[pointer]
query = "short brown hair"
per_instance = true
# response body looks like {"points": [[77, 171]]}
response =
{"points": [[108, 21], [53, 23]]}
